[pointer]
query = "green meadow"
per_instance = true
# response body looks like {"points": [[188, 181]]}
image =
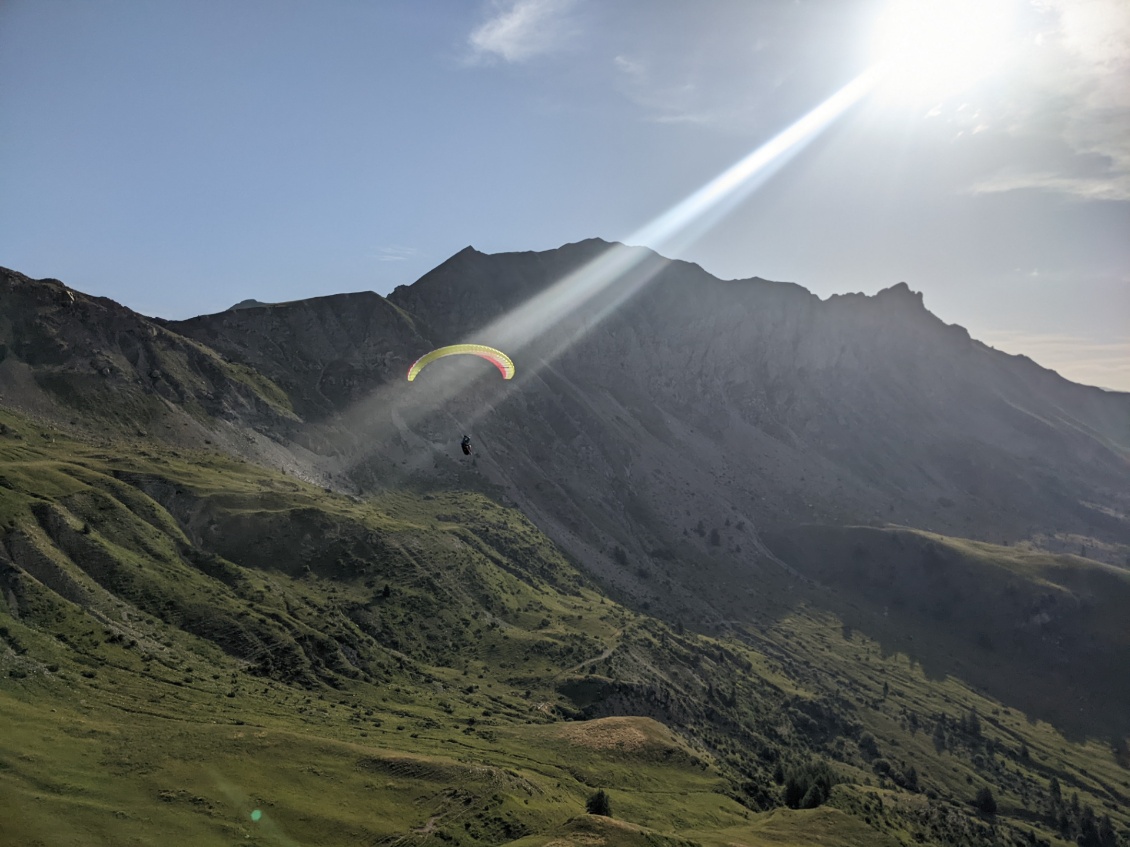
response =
{"points": [[201, 651]]}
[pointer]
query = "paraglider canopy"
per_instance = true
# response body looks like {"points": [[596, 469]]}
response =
{"points": [[496, 357]]}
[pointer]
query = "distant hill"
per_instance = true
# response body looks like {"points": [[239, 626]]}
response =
{"points": [[248, 304]]}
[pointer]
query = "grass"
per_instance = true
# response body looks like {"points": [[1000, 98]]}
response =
{"points": [[186, 639], [1045, 632]]}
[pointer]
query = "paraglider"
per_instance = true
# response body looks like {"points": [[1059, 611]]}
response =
{"points": [[466, 445], [496, 357]]}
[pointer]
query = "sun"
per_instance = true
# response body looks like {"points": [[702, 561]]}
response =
{"points": [[932, 49]]}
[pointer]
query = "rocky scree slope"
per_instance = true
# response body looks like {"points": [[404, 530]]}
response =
{"points": [[90, 363], [704, 400]]}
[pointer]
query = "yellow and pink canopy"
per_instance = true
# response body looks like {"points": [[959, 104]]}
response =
{"points": [[496, 357]]}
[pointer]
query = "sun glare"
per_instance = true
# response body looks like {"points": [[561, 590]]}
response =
{"points": [[939, 48]]}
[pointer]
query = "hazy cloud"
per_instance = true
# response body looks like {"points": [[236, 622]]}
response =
{"points": [[662, 101], [747, 68], [1114, 187], [518, 30], [632, 69], [1078, 73], [393, 253]]}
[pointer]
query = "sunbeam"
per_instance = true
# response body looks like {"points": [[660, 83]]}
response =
{"points": [[675, 228], [605, 283]]}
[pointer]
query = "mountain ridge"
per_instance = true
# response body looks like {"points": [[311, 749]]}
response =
{"points": [[784, 397]]}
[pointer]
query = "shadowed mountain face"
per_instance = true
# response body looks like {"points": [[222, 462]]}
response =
{"points": [[658, 432], [326, 353], [721, 402], [707, 396], [91, 362]]}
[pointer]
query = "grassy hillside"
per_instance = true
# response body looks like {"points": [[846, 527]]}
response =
{"points": [[1043, 632], [89, 361], [196, 649]]}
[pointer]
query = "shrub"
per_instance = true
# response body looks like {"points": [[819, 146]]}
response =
{"points": [[910, 779], [809, 785], [984, 802], [599, 804], [868, 747]]}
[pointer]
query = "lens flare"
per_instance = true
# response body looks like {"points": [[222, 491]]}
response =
{"points": [[932, 49]]}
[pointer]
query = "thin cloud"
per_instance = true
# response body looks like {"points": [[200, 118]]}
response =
{"points": [[1080, 98], [715, 67], [393, 253], [1115, 187], [519, 30], [632, 69], [1102, 363], [660, 102]]}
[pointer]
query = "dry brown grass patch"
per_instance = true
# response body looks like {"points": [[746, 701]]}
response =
{"points": [[607, 734]]}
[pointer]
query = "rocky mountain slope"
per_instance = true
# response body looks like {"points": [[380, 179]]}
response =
{"points": [[855, 409], [658, 430], [91, 364], [756, 397]]}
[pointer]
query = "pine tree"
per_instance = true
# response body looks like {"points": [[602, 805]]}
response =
{"points": [[973, 724], [1107, 835], [910, 778], [985, 802], [599, 804], [939, 737]]}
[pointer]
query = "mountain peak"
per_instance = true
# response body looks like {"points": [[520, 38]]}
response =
{"points": [[248, 304], [901, 291]]}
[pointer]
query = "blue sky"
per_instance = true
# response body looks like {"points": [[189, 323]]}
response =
{"points": [[184, 155]]}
